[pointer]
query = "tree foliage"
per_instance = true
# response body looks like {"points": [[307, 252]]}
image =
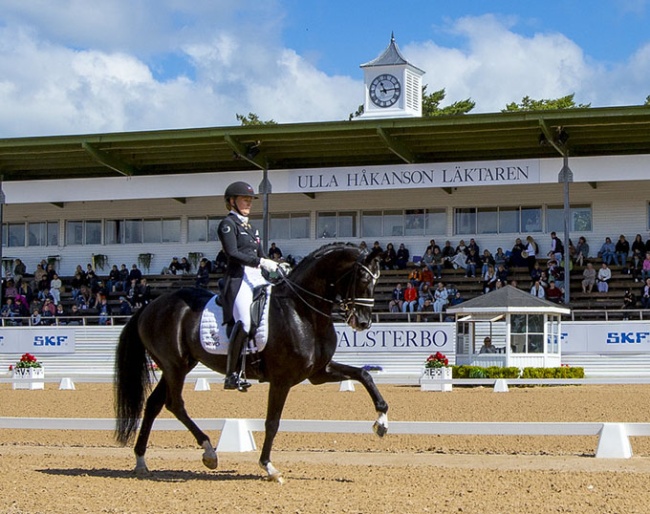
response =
{"points": [[530, 104], [253, 119]]}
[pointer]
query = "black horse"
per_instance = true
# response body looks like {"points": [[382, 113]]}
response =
{"points": [[301, 343]]}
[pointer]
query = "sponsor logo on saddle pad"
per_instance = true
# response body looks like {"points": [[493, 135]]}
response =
{"points": [[213, 331]]}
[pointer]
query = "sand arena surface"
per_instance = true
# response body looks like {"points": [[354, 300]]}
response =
{"points": [[46, 471]]}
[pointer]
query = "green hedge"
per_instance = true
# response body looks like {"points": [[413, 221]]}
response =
{"points": [[513, 372]]}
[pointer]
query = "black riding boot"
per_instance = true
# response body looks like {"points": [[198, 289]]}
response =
{"points": [[234, 379]]}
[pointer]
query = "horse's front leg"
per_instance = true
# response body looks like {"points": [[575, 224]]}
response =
{"points": [[337, 372], [277, 398]]}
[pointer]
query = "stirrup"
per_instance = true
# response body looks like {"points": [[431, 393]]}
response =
{"points": [[235, 381]]}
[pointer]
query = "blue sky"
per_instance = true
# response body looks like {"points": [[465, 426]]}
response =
{"points": [[74, 66]]}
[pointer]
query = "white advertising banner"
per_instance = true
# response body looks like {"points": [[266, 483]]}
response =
{"points": [[606, 337], [398, 337], [37, 340]]}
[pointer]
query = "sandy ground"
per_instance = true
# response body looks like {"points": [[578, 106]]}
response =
{"points": [[46, 471]]}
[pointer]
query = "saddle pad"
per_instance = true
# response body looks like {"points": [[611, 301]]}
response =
{"points": [[212, 331]]}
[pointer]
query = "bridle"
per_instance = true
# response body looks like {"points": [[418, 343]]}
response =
{"points": [[347, 305]]}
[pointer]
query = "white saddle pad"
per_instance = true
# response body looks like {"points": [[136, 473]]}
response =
{"points": [[213, 331]]}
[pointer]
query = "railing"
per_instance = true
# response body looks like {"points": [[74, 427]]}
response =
{"points": [[91, 319]]}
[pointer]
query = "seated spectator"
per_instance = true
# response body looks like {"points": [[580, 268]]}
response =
{"points": [[582, 251], [114, 280], [22, 305], [35, 319], [502, 274], [415, 277], [173, 267], [276, 254], [516, 258], [438, 262], [629, 301], [448, 254], [60, 315], [402, 257], [104, 312], [460, 256], [75, 315], [397, 299], [389, 258], [487, 346], [135, 273], [645, 294], [410, 298], [26, 290], [10, 290], [554, 293], [20, 270], [603, 278], [588, 278], [607, 251], [622, 250], [471, 262], [486, 261], [489, 279], [440, 297], [124, 278], [456, 299], [645, 267], [426, 275], [427, 260], [425, 298], [85, 300], [40, 277], [126, 309], [55, 288], [142, 294], [500, 258], [376, 247], [203, 274], [185, 268], [537, 290], [47, 312], [9, 312]]}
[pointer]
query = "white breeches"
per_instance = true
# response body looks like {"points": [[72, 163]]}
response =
{"points": [[241, 310]]}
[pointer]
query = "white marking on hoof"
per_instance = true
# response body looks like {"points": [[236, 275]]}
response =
{"points": [[141, 466], [381, 425], [272, 474], [210, 459]]}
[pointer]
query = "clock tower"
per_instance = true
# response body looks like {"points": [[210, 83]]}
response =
{"points": [[393, 86]]}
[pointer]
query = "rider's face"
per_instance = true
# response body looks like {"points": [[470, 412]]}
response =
{"points": [[244, 204]]}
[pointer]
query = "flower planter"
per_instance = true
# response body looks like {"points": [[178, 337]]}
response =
{"points": [[431, 379], [23, 378]]}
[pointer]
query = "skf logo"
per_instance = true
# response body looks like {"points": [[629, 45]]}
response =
{"points": [[50, 340], [627, 337]]}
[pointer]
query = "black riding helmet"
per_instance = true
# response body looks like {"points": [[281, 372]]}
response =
{"points": [[238, 189]]}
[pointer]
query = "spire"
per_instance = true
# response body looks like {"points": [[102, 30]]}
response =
{"points": [[391, 56]]}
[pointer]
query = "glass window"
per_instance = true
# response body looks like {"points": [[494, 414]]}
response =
{"points": [[527, 333], [465, 221], [299, 226], [53, 233], [531, 219], [152, 231], [280, 226], [37, 234], [509, 220], [347, 224], [371, 224], [197, 229], [113, 230], [133, 231], [326, 225], [414, 222], [579, 218], [435, 222], [93, 232], [487, 220], [393, 223], [16, 234], [258, 225], [74, 232]]}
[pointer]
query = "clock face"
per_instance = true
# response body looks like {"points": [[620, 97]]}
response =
{"points": [[385, 90]]}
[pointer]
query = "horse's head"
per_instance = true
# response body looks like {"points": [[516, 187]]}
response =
{"points": [[338, 274], [358, 302]]}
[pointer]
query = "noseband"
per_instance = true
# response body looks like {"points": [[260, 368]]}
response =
{"points": [[349, 304]]}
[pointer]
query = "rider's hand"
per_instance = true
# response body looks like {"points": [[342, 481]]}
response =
{"points": [[268, 265]]}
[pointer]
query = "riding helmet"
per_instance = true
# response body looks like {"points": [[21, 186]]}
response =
{"points": [[239, 189]]}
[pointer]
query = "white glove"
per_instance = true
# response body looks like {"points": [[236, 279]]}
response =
{"points": [[268, 265]]}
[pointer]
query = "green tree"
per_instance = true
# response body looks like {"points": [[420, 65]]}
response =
{"points": [[253, 119], [530, 104], [647, 100]]}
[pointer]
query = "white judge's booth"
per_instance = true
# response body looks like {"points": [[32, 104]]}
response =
{"points": [[525, 331]]}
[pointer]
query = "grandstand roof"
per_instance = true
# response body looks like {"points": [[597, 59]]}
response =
{"points": [[510, 135], [508, 299]]}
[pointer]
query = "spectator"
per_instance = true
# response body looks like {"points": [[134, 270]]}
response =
{"points": [[588, 278], [9, 312], [376, 247], [410, 298], [203, 274], [448, 253], [516, 254], [554, 293], [531, 252], [126, 309], [607, 251], [124, 277], [622, 249], [427, 260], [502, 274], [185, 268], [55, 288], [537, 290], [25, 290], [142, 293], [438, 262], [397, 299], [456, 299], [471, 261], [402, 257], [638, 246], [604, 276], [500, 258], [104, 312], [645, 267], [460, 256], [535, 273], [135, 273], [487, 346], [75, 315], [432, 244], [19, 271], [35, 319], [440, 297], [275, 253], [474, 246], [173, 267], [415, 277], [489, 279], [389, 258], [59, 315], [645, 294], [10, 290], [582, 251], [75, 284], [113, 279], [425, 298], [557, 248], [629, 302]]}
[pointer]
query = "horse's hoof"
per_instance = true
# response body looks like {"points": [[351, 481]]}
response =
{"points": [[380, 429], [275, 477], [210, 462], [141, 471]]}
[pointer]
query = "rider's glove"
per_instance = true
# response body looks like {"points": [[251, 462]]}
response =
{"points": [[268, 265]]}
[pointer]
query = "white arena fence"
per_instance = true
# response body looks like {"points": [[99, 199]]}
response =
{"points": [[237, 434]]}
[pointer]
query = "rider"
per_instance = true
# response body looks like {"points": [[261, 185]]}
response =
{"points": [[242, 246]]}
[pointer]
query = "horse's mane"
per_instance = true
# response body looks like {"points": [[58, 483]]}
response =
{"points": [[307, 262]]}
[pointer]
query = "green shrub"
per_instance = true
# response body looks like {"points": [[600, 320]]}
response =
{"points": [[561, 372], [513, 372]]}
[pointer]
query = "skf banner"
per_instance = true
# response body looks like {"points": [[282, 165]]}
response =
{"points": [[36, 339]]}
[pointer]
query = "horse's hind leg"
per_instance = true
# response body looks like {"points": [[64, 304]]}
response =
{"points": [[336, 372], [153, 407], [277, 398], [176, 406]]}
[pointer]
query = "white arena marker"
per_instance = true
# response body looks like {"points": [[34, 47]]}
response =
{"points": [[500, 385], [613, 442], [347, 385], [66, 384], [202, 384], [236, 437]]}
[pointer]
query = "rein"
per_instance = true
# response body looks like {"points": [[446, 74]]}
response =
{"points": [[347, 305]]}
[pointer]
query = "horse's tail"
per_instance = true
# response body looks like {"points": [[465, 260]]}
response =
{"points": [[132, 380]]}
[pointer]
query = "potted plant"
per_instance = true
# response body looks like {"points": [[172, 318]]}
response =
{"points": [[99, 260], [144, 260], [436, 369], [26, 371]]}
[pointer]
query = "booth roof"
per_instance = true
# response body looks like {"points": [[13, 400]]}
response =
{"points": [[508, 299]]}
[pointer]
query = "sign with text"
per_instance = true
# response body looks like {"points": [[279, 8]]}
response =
{"points": [[606, 337], [397, 337], [39, 340]]}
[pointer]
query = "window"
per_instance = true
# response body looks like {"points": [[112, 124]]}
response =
{"points": [[579, 219], [15, 234], [527, 333], [43, 233], [487, 220], [289, 226], [465, 221], [371, 225], [509, 221], [144, 231], [336, 225], [497, 220], [87, 232], [202, 229]]}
